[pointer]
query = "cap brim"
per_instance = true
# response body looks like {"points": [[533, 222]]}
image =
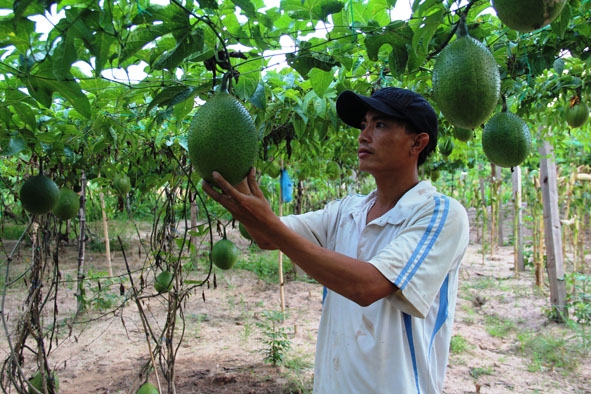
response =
{"points": [[351, 108]]}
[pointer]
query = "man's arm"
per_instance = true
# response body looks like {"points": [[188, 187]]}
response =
{"points": [[354, 279]]}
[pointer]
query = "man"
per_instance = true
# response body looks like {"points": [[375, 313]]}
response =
{"points": [[389, 260]]}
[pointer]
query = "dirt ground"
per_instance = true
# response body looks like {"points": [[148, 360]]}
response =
{"points": [[221, 351]]}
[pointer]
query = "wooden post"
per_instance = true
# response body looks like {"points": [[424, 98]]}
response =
{"points": [[518, 221], [555, 266], [281, 281], [80, 293], [106, 232]]}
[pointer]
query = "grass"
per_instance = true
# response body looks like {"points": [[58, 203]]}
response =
{"points": [[265, 265], [499, 327], [12, 231], [477, 372], [551, 351], [458, 344]]}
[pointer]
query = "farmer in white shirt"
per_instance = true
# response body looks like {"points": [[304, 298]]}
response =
{"points": [[389, 260]]}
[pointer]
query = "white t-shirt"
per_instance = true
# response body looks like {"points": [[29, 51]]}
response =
{"points": [[399, 344]]}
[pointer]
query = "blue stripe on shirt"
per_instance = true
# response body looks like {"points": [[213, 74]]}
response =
{"points": [[411, 347], [442, 312], [426, 243]]}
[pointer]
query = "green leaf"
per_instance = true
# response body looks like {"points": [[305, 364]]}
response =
{"points": [[423, 35], [140, 37], [190, 43], [102, 45], [247, 7], [170, 96], [259, 99], [38, 89], [211, 4], [320, 80], [250, 76], [16, 144], [63, 57], [16, 33], [396, 34], [560, 25], [26, 114]]}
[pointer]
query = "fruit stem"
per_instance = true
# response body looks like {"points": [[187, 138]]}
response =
{"points": [[504, 107], [462, 27], [226, 82]]}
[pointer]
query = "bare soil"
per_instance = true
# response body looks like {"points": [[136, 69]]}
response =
{"points": [[221, 348]]}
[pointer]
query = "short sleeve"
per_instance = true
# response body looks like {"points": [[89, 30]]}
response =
{"points": [[421, 256]]}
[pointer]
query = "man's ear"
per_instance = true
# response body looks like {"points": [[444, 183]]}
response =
{"points": [[421, 141]]}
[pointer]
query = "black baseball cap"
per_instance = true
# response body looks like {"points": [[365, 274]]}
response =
{"points": [[398, 103]]}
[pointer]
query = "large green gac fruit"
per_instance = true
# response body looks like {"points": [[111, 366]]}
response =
{"points": [[147, 388], [39, 194], [466, 82], [576, 113], [68, 204], [506, 140], [224, 254], [527, 15], [223, 138]]}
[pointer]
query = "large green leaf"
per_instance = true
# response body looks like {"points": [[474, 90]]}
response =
{"points": [[320, 80], [142, 36], [15, 144], [189, 44]]}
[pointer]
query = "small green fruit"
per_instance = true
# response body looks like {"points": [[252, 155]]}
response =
{"points": [[224, 254], [68, 205], [147, 388], [122, 184], [506, 140], [462, 134], [272, 168], [163, 282], [576, 114], [37, 382], [446, 146], [333, 171], [244, 232]]}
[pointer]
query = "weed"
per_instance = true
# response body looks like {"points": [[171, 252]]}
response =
{"points": [[265, 266], [458, 344], [477, 372], [549, 352], [579, 297], [103, 296], [296, 367], [275, 337], [498, 327]]}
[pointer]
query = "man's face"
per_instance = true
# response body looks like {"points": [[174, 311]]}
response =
{"points": [[384, 145]]}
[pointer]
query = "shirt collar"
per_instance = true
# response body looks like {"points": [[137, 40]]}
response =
{"points": [[402, 209]]}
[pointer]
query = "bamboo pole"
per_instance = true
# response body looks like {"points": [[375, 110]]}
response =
{"points": [[80, 293], [281, 280], [517, 221], [106, 232]]}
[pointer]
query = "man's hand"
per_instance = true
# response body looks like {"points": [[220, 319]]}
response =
{"points": [[247, 204]]}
